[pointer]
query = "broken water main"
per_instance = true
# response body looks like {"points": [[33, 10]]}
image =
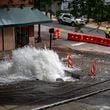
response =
{"points": [[29, 63]]}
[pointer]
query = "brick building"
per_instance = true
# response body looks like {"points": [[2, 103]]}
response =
{"points": [[15, 3]]}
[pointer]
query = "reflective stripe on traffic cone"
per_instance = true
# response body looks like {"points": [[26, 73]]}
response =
{"points": [[55, 35], [93, 69], [70, 64]]}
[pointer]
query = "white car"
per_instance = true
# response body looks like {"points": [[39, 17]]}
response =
{"points": [[70, 19]]}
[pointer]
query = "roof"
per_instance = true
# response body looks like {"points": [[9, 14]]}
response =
{"points": [[18, 16]]}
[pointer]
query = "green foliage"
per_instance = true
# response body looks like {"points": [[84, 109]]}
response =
{"points": [[92, 8], [60, 11], [78, 7]]}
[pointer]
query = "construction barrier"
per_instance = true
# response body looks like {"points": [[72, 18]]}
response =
{"points": [[93, 69], [70, 64], [57, 34], [88, 38], [106, 42], [74, 37]]}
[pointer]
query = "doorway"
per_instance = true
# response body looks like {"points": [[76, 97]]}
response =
{"points": [[21, 36]]}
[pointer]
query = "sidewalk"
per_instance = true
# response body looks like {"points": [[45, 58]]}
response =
{"points": [[94, 25], [93, 49]]}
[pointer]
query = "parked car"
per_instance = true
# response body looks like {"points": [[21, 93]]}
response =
{"points": [[70, 19]]}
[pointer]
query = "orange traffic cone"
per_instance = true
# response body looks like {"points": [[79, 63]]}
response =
{"points": [[93, 69], [70, 64], [59, 33], [55, 35]]}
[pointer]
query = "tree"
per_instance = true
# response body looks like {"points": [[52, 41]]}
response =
{"points": [[45, 5], [78, 7], [92, 8], [42, 4]]}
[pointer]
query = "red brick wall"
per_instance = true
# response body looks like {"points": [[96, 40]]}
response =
{"points": [[15, 3]]}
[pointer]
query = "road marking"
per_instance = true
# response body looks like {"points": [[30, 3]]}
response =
{"points": [[103, 107], [77, 44]]}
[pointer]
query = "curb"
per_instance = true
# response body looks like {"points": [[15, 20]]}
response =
{"points": [[95, 27], [92, 52]]}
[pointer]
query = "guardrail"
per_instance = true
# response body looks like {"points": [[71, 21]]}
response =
{"points": [[88, 38]]}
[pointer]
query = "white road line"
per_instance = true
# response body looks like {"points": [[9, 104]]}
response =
{"points": [[77, 44]]}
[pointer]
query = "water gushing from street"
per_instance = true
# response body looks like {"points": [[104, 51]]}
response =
{"points": [[31, 63]]}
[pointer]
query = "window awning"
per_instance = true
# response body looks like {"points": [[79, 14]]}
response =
{"points": [[18, 16]]}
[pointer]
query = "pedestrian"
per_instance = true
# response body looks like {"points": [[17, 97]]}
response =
{"points": [[107, 32]]}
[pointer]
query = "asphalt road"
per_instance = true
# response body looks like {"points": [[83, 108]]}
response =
{"points": [[78, 46], [28, 95], [83, 29]]}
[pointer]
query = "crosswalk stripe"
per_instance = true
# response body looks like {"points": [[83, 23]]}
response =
{"points": [[77, 44]]}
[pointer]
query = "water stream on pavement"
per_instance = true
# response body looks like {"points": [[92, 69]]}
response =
{"points": [[31, 63]]}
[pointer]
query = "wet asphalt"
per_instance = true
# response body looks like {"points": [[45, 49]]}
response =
{"points": [[29, 94], [35, 93]]}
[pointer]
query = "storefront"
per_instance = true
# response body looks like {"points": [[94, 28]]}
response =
{"points": [[17, 27], [22, 35]]}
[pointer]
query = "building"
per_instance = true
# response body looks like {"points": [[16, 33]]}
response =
{"points": [[65, 4], [107, 2], [15, 3], [17, 21]]}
